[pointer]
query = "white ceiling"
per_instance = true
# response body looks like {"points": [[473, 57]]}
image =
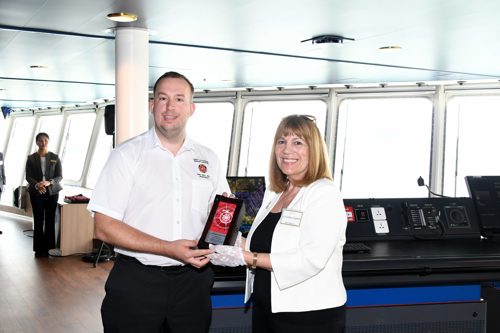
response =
{"points": [[223, 44]]}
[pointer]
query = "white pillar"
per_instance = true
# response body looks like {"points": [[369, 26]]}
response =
{"points": [[132, 80]]}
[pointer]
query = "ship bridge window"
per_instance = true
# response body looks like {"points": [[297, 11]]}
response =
{"points": [[383, 146], [211, 125], [52, 126], [15, 155], [261, 118], [472, 141], [99, 156], [75, 144]]}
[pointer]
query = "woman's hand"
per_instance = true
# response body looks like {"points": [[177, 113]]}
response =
{"points": [[226, 255], [41, 186]]}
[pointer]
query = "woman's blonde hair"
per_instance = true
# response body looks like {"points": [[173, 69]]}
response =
{"points": [[318, 167]]}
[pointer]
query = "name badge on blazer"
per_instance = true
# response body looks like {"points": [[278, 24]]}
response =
{"points": [[291, 217]]}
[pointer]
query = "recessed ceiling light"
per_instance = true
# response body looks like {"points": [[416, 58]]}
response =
{"points": [[122, 17], [327, 39], [390, 48]]}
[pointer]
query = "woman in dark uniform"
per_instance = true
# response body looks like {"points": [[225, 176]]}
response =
{"points": [[44, 174]]}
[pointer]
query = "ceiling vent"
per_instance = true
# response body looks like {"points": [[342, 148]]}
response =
{"points": [[327, 39]]}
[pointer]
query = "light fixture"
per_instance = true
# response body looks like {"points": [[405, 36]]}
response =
{"points": [[390, 48], [38, 67], [327, 39], [122, 17]]}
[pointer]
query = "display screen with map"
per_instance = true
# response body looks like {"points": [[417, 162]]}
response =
{"points": [[251, 191]]}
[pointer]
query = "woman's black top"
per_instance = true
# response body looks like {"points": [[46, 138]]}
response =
{"points": [[261, 242], [329, 320]]}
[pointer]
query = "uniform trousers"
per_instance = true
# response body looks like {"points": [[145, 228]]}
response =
{"points": [[44, 219], [150, 299]]}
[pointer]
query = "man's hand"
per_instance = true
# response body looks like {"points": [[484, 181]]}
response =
{"points": [[185, 251]]}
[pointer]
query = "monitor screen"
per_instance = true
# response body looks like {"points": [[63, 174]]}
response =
{"points": [[485, 193], [251, 190]]}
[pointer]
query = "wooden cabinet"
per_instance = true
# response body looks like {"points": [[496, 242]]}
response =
{"points": [[77, 229]]}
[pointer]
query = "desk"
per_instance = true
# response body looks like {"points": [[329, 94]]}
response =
{"points": [[77, 229], [438, 280], [419, 262], [404, 263]]}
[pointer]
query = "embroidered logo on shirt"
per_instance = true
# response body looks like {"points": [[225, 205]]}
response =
{"points": [[202, 168]]}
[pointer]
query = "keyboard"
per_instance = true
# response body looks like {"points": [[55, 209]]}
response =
{"points": [[356, 248]]}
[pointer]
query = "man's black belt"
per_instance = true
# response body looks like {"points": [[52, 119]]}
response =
{"points": [[175, 268]]}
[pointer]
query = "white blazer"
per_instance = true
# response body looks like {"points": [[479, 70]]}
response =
{"points": [[306, 257]]}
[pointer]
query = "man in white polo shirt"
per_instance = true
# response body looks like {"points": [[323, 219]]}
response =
{"points": [[151, 202]]}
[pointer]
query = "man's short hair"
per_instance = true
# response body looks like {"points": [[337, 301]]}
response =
{"points": [[174, 75]]}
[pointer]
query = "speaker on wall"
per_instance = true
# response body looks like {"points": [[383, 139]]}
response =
{"points": [[109, 119]]}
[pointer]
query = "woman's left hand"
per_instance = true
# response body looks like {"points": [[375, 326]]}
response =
{"points": [[40, 187], [226, 255]]}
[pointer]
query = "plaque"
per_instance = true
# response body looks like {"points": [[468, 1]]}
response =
{"points": [[223, 222]]}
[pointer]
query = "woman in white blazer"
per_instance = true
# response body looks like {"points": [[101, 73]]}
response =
{"points": [[294, 248]]}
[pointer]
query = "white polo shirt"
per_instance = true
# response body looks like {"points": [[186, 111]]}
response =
{"points": [[144, 185]]}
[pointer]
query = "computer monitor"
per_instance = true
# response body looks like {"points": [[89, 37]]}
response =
{"points": [[251, 190], [485, 194]]}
